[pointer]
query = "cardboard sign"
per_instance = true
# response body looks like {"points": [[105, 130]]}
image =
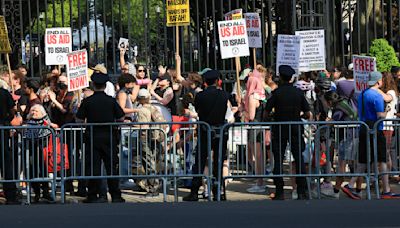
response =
{"points": [[253, 24], [362, 66], [5, 46], [58, 43], [77, 70], [178, 13], [312, 50], [234, 15], [123, 43], [233, 38], [288, 52]]}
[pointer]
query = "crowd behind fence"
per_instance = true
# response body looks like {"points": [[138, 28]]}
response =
{"points": [[44, 159]]}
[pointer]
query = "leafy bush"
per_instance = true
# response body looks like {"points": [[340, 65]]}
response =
{"points": [[384, 54]]}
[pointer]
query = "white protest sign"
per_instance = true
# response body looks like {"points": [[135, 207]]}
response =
{"points": [[233, 38], [253, 24], [312, 50], [362, 66], [234, 15], [77, 70], [288, 51], [58, 43], [123, 43]]}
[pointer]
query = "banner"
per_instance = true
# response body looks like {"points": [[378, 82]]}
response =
{"points": [[123, 43], [233, 38], [312, 50], [5, 46], [362, 66], [288, 52], [178, 12], [58, 43], [253, 24], [234, 15], [77, 70]]}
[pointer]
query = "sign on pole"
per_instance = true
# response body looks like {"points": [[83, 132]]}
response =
{"points": [[362, 66], [288, 52], [253, 25], [233, 38], [5, 46], [234, 15], [58, 43], [77, 70], [312, 50], [178, 13]]}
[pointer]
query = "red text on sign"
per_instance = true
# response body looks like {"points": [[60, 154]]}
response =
{"points": [[364, 65], [77, 82], [77, 59]]}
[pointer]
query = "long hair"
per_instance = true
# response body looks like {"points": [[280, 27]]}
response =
{"points": [[389, 83]]}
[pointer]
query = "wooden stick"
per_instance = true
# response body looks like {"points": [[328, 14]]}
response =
{"points": [[255, 57], [237, 61], [178, 66], [10, 73]]}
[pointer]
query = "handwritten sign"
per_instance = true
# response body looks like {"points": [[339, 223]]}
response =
{"points": [[233, 38], [5, 46], [77, 70], [362, 66], [178, 13], [58, 43]]}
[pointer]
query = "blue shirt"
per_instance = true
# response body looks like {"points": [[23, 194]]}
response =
{"points": [[373, 103]]}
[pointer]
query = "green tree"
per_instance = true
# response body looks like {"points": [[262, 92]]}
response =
{"points": [[384, 54]]}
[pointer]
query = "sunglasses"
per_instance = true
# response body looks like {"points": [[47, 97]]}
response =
{"points": [[125, 69], [141, 70]]}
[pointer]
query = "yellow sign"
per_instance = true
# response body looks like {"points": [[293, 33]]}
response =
{"points": [[4, 42], [178, 12]]}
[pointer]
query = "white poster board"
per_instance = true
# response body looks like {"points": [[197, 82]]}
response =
{"points": [[288, 52], [362, 66], [253, 25], [233, 38], [77, 70], [312, 50], [123, 43], [58, 43]]}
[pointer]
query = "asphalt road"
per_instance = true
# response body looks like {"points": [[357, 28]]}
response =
{"points": [[317, 213]]}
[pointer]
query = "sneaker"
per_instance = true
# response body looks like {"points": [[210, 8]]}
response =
{"points": [[294, 195], [390, 195], [350, 192], [256, 189], [327, 190]]}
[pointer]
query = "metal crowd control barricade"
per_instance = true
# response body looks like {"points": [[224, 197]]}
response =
{"points": [[391, 129], [252, 146], [29, 156], [146, 152]]}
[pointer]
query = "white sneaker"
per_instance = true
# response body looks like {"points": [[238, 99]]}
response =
{"points": [[256, 189], [295, 195], [327, 190]]}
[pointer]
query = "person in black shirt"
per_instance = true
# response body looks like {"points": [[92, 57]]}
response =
{"points": [[288, 103], [101, 141], [6, 159], [211, 105]]}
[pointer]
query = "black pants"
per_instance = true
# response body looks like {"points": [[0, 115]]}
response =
{"points": [[381, 146], [281, 135], [7, 165], [102, 149], [202, 155]]}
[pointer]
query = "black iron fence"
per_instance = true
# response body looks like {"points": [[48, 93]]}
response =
{"points": [[97, 25]]}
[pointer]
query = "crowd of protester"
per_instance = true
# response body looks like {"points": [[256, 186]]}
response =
{"points": [[330, 96]]}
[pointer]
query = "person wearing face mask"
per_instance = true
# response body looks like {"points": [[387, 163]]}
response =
{"points": [[127, 95], [61, 102]]}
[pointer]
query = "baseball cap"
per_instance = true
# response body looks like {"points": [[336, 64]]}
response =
{"points": [[204, 71], [286, 72], [143, 93], [374, 77], [100, 78], [244, 74], [211, 75]]}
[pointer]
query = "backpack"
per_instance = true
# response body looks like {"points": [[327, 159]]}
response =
{"points": [[348, 112], [157, 117]]}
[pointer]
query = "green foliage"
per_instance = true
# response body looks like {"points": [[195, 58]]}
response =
{"points": [[384, 54]]}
